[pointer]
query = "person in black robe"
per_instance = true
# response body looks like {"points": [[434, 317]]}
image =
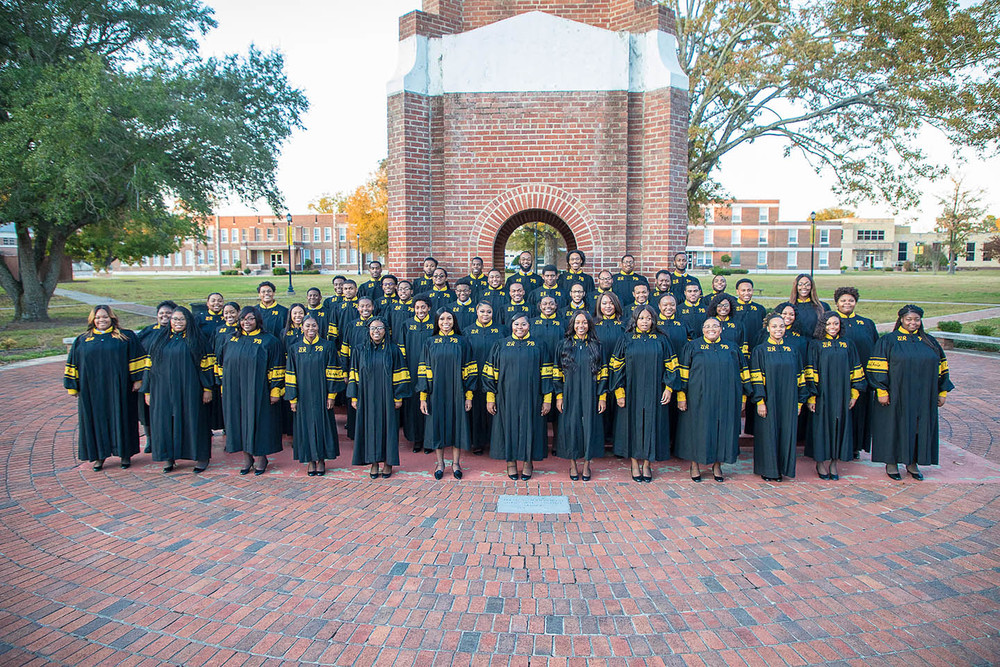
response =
{"points": [[719, 284], [721, 307], [332, 303], [323, 315], [372, 288], [384, 303], [626, 279], [401, 310], [714, 383], [643, 377], [909, 372], [440, 293], [145, 336], [677, 333], [680, 278], [291, 333], [447, 374], [660, 286], [425, 281], [749, 314], [580, 382], [518, 380], [692, 312], [313, 378], [275, 315], [477, 278], [548, 326], [103, 371], [178, 389], [377, 383], [778, 380], [605, 285], [348, 306], [496, 294], [837, 378], [609, 329], [640, 296], [355, 335], [575, 260], [549, 287], [251, 369], [808, 307], [221, 334], [463, 307], [515, 304], [410, 338], [578, 303], [799, 341], [862, 332], [529, 280], [481, 335], [210, 319]]}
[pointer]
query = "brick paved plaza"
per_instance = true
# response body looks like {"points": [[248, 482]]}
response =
{"points": [[135, 567]]}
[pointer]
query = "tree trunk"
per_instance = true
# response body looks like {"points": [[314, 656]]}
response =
{"points": [[39, 263]]}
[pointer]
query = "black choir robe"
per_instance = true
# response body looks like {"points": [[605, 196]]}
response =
{"points": [[692, 316], [623, 284], [438, 297], [465, 313], [750, 317], [447, 375], [496, 298], [251, 369], [479, 283], [913, 371], [145, 337], [100, 371], [778, 379], [580, 386], [384, 304], [836, 376], [481, 338], [862, 332], [355, 334], [323, 317], [209, 322], [275, 318], [679, 282], [371, 288], [569, 278], [677, 334], [571, 310], [642, 366], [512, 309], [609, 331], [556, 292], [313, 374], [174, 381], [377, 378], [518, 378], [530, 281], [714, 380], [411, 338], [399, 312], [806, 316]]}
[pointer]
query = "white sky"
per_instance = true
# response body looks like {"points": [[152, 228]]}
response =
{"points": [[342, 53]]}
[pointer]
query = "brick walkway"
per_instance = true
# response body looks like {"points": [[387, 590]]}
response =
{"points": [[134, 567]]}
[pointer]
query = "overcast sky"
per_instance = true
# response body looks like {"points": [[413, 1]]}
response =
{"points": [[342, 53]]}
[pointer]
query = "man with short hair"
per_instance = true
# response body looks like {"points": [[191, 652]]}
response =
{"points": [[577, 302], [463, 307], [661, 285], [332, 302], [388, 285], [516, 305], [348, 305], [275, 315], [372, 288], [605, 284], [626, 279], [680, 278], [550, 287], [477, 279], [425, 282], [402, 309], [692, 312], [316, 310], [494, 294], [529, 280]]}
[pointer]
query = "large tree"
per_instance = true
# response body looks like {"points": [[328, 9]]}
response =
{"points": [[113, 126], [851, 85], [962, 215]]}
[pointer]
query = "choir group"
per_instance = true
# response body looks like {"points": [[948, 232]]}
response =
{"points": [[489, 363]]}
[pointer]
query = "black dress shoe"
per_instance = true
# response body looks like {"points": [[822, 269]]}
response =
{"points": [[834, 476], [246, 471], [893, 475], [311, 473], [575, 478], [98, 465], [373, 473], [919, 476], [200, 468], [696, 479], [770, 479], [439, 473], [456, 473], [169, 467], [418, 448], [512, 475], [647, 478], [260, 471], [386, 475], [127, 462]]}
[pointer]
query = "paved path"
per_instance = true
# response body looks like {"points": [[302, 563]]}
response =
{"points": [[931, 322], [92, 300], [135, 567]]}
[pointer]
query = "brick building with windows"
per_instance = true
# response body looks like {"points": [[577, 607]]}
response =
{"points": [[260, 243], [879, 243], [750, 232]]}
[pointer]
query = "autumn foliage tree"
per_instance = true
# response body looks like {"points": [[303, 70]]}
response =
{"points": [[834, 214]]}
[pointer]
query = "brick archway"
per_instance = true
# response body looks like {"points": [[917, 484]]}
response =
{"points": [[535, 203]]}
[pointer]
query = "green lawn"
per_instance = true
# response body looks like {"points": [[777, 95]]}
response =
{"points": [[882, 294]]}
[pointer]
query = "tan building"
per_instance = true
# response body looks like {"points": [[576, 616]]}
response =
{"points": [[261, 243], [751, 233], [879, 243]]}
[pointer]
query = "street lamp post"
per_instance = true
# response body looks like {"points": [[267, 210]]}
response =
{"points": [[360, 270], [812, 243], [291, 263]]}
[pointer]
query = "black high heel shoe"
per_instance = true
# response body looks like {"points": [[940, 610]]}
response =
{"points": [[512, 475], [373, 473], [637, 474], [915, 474], [584, 476], [526, 474], [386, 472], [246, 471], [821, 475], [893, 475], [718, 477], [260, 471], [169, 467], [127, 462], [575, 477], [98, 465]]}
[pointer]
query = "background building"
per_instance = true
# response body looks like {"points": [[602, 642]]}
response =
{"points": [[260, 243], [751, 233], [879, 243]]}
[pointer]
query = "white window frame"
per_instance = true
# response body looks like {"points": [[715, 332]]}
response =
{"points": [[762, 237], [188, 258], [736, 238], [327, 234], [709, 236], [824, 259], [223, 235], [328, 256], [793, 237], [168, 260], [343, 256], [342, 234], [316, 234], [224, 253], [762, 259], [211, 257], [765, 215], [824, 237], [793, 259]]}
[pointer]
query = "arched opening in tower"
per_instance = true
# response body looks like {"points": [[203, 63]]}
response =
{"points": [[541, 232]]}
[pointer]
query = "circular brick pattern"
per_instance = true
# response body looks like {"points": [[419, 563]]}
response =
{"points": [[137, 567]]}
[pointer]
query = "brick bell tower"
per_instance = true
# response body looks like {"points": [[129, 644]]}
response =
{"points": [[507, 112]]}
